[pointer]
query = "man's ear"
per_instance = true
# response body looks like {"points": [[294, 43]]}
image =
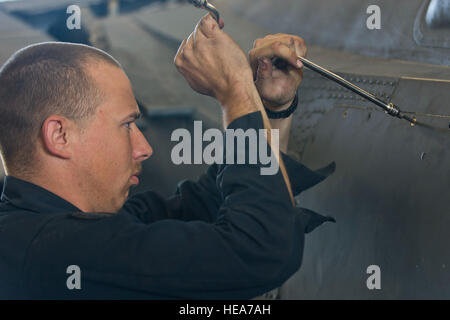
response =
{"points": [[56, 134]]}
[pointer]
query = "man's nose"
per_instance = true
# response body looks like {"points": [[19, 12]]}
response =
{"points": [[141, 148]]}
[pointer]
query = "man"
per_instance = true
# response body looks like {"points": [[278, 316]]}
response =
{"points": [[71, 151]]}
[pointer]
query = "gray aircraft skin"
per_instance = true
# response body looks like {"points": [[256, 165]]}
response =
{"points": [[390, 193]]}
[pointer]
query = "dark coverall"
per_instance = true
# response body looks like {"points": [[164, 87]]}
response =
{"points": [[233, 234]]}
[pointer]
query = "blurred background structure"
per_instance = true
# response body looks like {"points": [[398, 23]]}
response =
{"points": [[390, 193]]}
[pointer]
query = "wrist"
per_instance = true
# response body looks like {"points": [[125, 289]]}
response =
{"points": [[285, 111], [284, 127], [276, 106], [241, 99]]}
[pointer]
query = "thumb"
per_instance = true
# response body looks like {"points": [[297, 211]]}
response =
{"points": [[264, 69], [208, 26]]}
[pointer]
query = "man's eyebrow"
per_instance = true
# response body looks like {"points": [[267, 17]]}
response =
{"points": [[133, 116]]}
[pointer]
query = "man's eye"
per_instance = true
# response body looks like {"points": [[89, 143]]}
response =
{"points": [[128, 125]]}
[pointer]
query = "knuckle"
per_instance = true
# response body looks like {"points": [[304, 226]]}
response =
{"points": [[186, 55], [207, 20], [276, 46], [179, 67], [300, 41], [203, 24], [177, 62]]}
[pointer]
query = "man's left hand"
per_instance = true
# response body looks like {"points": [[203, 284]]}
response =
{"points": [[277, 87]]}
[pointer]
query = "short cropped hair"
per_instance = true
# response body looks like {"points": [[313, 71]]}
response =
{"points": [[39, 81]]}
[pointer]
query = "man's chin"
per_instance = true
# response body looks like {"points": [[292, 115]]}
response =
{"points": [[129, 189]]}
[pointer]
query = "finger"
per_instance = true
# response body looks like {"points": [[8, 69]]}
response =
{"points": [[200, 27], [283, 51], [208, 26], [253, 62], [279, 50], [189, 42], [264, 69], [198, 35], [300, 46], [292, 44], [221, 23], [269, 39], [177, 60], [284, 38]]}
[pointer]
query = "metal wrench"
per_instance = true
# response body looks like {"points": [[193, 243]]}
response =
{"points": [[204, 4]]}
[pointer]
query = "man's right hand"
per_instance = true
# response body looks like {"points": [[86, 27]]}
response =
{"points": [[214, 65]]}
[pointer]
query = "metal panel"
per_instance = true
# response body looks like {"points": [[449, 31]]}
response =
{"points": [[390, 195]]}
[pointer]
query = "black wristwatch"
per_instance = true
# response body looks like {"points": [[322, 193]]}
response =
{"points": [[284, 113]]}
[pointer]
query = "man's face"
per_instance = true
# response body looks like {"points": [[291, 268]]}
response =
{"points": [[111, 147]]}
